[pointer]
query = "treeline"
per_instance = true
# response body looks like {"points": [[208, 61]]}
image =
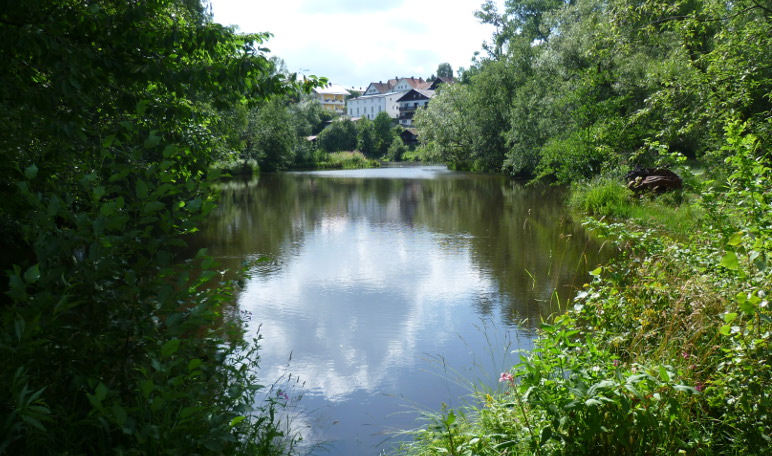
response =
{"points": [[298, 133], [569, 89], [111, 115]]}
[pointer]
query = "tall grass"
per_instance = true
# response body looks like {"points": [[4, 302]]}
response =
{"points": [[346, 160], [677, 214]]}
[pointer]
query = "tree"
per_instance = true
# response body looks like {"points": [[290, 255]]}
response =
{"points": [[111, 114], [396, 150], [384, 133], [341, 135], [271, 136], [444, 70], [366, 137]]}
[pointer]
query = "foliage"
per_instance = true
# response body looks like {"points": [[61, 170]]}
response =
{"points": [[606, 198], [444, 70], [569, 89], [270, 137], [665, 351], [341, 135], [366, 137], [346, 160], [396, 150], [112, 114], [384, 133]]}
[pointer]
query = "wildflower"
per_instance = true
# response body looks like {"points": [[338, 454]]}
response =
{"points": [[282, 395], [685, 355], [507, 377], [616, 363], [699, 386]]}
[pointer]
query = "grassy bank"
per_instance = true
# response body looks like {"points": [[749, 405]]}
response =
{"points": [[665, 351]]}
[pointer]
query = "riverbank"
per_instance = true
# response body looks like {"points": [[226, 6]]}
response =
{"points": [[664, 351]]}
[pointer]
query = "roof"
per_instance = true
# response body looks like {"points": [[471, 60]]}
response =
{"points": [[382, 87], [332, 89], [427, 94], [441, 80]]}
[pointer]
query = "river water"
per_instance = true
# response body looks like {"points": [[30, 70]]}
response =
{"points": [[382, 293]]}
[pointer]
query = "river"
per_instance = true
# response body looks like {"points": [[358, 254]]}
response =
{"points": [[381, 293]]}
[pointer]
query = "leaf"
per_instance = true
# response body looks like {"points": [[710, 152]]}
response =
{"points": [[147, 387], [237, 420], [98, 193], [686, 389], [32, 274], [730, 317], [593, 402], [141, 189], [152, 206], [168, 152], [33, 422], [101, 392], [736, 239], [730, 261], [152, 141], [31, 172], [600, 385], [188, 411], [142, 107], [119, 413], [663, 374], [170, 347], [546, 434]]}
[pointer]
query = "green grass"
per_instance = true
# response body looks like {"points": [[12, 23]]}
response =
{"points": [[677, 214], [347, 160]]}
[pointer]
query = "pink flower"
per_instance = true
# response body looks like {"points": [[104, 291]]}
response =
{"points": [[506, 377], [616, 363], [685, 355], [699, 386]]}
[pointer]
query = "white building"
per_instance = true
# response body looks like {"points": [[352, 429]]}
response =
{"points": [[381, 96]]}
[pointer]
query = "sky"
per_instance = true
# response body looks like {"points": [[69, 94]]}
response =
{"points": [[356, 42]]}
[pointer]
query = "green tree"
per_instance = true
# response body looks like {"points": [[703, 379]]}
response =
{"points": [[111, 114], [366, 137], [396, 150], [383, 128], [271, 138], [444, 70], [341, 135]]}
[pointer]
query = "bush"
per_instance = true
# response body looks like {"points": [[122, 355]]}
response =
{"points": [[603, 198], [397, 150]]}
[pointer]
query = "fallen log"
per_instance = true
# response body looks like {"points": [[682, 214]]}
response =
{"points": [[652, 180]]}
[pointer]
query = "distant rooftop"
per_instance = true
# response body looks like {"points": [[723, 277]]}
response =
{"points": [[332, 89]]}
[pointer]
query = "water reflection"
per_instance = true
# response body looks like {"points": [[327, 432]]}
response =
{"points": [[371, 270]]}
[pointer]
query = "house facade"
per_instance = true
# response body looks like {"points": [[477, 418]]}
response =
{"points": [[417, 98], [381, 96], [410, 102], [332, 97]]}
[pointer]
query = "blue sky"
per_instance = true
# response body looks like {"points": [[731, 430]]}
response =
{"points": [[355, 42]]}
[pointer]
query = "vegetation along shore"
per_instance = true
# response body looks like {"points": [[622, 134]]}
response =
{"points": [[118, 117]]}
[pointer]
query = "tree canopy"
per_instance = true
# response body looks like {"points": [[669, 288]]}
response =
{"points": [[111, 114], [566, 89]]}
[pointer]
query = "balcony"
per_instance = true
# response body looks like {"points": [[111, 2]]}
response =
{"points": [[406, 115]]}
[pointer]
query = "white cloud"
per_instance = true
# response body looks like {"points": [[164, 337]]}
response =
{"points": [[356, 42]]}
